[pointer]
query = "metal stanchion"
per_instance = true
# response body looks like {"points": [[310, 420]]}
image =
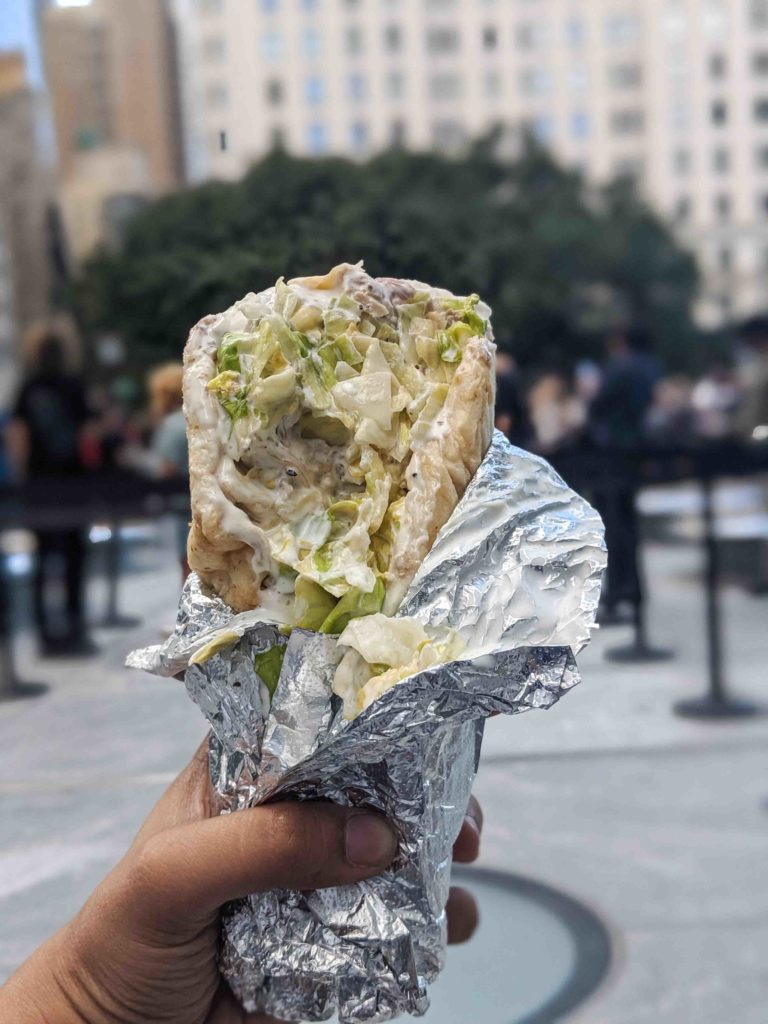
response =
{"points": [[639, 651], [11, 687], [113, 619], [716, 703]]}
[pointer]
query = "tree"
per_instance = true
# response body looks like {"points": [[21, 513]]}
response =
{"points": [[557, 261]]}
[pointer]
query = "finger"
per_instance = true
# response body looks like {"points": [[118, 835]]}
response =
{"points": [[463, 915], [194, 869], [466, 849]]}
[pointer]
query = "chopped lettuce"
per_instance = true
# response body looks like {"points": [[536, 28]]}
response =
{"points": [[354, 605], [268, 665], [313, 604]]}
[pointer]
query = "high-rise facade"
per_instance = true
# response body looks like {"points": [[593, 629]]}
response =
{"points": [[674, 92], [24, 207], [111, 76]]}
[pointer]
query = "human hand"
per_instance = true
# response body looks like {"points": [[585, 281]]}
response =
{"points": [[144, 948]]}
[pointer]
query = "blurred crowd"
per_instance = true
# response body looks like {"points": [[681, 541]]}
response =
{"points": [[627, 402], [62, 428]]}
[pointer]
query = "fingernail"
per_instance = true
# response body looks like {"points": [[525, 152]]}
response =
{"points": [[370, 842]]}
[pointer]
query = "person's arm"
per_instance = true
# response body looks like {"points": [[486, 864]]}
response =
{"points": [[145, 946], [17, 444]]}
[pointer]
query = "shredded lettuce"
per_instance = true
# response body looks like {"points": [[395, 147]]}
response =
{"points": [[268, 665], [354, 605]]}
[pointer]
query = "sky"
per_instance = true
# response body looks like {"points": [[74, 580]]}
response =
{"points": [[17, 31]]}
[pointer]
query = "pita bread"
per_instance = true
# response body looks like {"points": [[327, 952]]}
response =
{"points": [[334, 423]]}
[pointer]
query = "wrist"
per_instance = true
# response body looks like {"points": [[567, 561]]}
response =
{"points": [[41, 991]]}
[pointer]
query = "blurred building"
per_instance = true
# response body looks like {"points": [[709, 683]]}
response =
{"points": [[110, 69], [673, 92], [24, 208]]}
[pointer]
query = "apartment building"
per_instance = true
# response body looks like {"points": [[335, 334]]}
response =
{"points": [[673, 92], [24, 205], [111, 76]]}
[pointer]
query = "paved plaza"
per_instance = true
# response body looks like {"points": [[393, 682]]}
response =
{"points": [[657, 824]]}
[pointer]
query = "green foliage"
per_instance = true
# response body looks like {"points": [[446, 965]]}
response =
{"points": [[558, 262]]}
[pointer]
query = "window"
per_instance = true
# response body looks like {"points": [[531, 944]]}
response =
{"points": [[445, 87], [358, 135], [578, 78], [760, 63], [680, 116], [317, 137], [492, 84], [625, 76], [490, 37], [532, 34], [718, 66], [627, 122], [311, 42], [357, 86], [622, 28], [448, 136], [758, 13], [629, 167], [761, 158], [683, 210], [393, 38], [543, 127], [395, 85], [719, 112], [353, 40], [681, 161], [310, 5], [725, 259], [314, 89], [721, 160], [723, 207], [275, 92], [210, 6], [763, 203], [761, 110], [223, 142], [217, 95], [575, 33], [278, 138], [398, 134], [536, 82], [580, 125], [272, 45], [270, 6], [214, 49], [442, 39]]}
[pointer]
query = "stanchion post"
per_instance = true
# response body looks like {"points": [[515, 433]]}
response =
{"points": [[11, 687], [716, 703], [113, 619]]}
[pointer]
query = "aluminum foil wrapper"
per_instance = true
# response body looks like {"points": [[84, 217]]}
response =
{"points": [[516, 571]]}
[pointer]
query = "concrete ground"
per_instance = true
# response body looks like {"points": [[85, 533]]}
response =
{"points": [[658, 824]]}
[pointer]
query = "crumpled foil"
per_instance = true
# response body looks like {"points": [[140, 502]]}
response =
{"points": [[516, 571]]}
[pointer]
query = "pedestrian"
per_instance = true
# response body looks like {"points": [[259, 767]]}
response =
{"points": [[169, 441], [616, 428], [146, 945], [46, 435], [752, 417]]}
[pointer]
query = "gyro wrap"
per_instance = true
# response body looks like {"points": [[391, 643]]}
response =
{"points": [[515, 574]]}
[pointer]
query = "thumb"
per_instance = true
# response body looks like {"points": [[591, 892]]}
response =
{"points": [[193, 869]]}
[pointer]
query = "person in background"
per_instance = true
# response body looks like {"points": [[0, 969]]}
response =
{"points": [[556, 411], [46, 438], [715, 399], [511, 413], [752, 417], [169, 441], [671, 419], [616, 427]]}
